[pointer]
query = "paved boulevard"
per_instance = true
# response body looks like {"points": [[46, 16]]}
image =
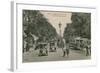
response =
{"points": [[32, 56]]}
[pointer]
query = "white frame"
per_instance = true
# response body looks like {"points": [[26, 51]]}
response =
{"points": [[16, 59]]}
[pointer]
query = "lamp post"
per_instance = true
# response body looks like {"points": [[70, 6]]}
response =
{"points": [[60, 36], [60, 29]]}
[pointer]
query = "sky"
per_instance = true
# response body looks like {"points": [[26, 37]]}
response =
{"points": [[58, 17]]}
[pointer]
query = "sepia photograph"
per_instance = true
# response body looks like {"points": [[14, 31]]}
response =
{"points": [[55, 36]]}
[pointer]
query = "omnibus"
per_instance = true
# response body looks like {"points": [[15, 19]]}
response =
{"points": [[79, 43]]}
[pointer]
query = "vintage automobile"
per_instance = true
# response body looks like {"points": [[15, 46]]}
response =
{"points": [[52, 47], [42, 48]]}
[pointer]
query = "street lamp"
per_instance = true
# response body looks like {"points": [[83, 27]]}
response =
{"points": [[60, 28]]}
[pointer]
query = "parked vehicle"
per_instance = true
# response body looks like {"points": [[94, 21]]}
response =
{"points": [[52, 47], [42, 48], [79, 43]]}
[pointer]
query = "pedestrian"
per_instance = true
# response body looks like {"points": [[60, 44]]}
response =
{"points": [[88, 50], [27, 47], [40, 50], [65, 48], [24, 47]]}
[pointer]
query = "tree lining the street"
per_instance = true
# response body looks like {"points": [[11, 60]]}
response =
{"points": [[35, 23], [80, 26]]}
